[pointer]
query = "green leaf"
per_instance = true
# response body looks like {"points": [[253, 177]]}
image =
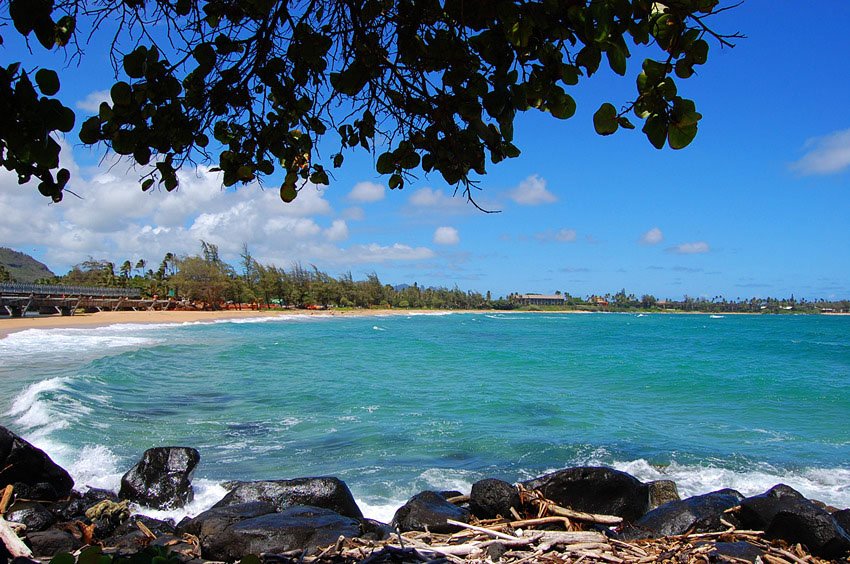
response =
{"points": [[655, 129], [338, 158], [63, 558], [288, 192], [385, 163], [48, 81], [561, 105], [680, 136], [121, 93], [320, 177], [90, 555], [605, 119], [625, 123], [134, 62], [147, 184], [396, 181], [699, 52], [90, 131], [617, 59]]}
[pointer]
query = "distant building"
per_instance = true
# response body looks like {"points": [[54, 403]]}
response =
{"points": [[540, 299], [598, 300]]}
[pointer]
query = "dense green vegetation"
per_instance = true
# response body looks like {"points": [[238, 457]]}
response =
{"points": [[256, 86], [20, 267], [210, 282]]}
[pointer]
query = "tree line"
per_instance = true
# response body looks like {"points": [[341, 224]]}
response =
{"points": [[211, 282]]}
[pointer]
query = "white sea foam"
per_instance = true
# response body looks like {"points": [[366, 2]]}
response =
{"points": [[830, 485], [59, 343], [33, 414], [382, 511], [207, 494]]}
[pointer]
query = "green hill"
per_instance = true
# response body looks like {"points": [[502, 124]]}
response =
{"points": [[22, 267]]}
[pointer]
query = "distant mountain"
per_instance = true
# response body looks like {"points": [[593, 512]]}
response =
{"points": [[22, 267]]}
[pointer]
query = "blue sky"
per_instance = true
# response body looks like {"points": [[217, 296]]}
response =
{"points": [[756, 206]]}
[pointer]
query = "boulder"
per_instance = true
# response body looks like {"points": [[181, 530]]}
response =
{"points": [[784, 513], [213, 522], [595, 490], [53, 541], [162, 478], [300, 528], [428, 511], [699, 514], [75, 507], [842, 517], [491, 497], [32, 514], [30, 470], [128, 535], [661, 492], [326, 492]]}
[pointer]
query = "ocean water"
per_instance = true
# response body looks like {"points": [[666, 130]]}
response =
{"points": [[397, 404]]}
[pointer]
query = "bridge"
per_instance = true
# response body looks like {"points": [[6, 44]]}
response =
{"points": [[18, 299]]}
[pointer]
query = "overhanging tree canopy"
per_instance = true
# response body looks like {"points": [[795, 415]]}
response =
{"points": [[432, 85]]}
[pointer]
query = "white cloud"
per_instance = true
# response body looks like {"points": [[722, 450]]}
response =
{"points": [[115, 220], [826, 155], [446, 236], [397, 252], [532, 192], [560, 236], [338, 231], [91, 103], [354, 214], [437, 200], [696, 248], [652, 237], [367, 192]]}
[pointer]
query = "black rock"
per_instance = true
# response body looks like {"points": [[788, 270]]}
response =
{"points": [[213, 522], [595, 490], [128, 535], [75, 507], [53, 541], [162, 478], [804, 522], [661, 492], [784, 513], [699, 514], [429, 510], [375, 530], [32, 514], [842, 517], [758, 511], [326, 492], [491, 497], [30, 470], [295, 528]]}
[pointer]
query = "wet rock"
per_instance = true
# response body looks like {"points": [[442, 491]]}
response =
{"points": [[804, 522], [491, 498], [429, 510], [162, 478], [295, 528], [784, 513], [595, 490], [842, 517], [326, 492], [699, 514], [32, 514], [213, 522], [75, 507], [30, 470], [758, 511], [371, 529], [661, 492], [128, 535], [53, 541]]}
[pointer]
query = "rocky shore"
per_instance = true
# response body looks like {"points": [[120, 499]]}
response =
{"points": [[587, 514]]}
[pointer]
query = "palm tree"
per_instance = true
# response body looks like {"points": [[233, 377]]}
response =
{"points": [[126, 268], [140, 266]]}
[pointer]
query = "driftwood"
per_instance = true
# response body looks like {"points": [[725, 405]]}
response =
{"points": [[12, 542]]}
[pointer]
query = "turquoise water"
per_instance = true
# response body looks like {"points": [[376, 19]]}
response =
{"points": [[397, 404]]}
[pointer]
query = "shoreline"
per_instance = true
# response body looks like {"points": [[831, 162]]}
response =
{"points": [[106, 318]]}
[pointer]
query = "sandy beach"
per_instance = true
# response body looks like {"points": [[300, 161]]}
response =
{"points": [[101, 319]]}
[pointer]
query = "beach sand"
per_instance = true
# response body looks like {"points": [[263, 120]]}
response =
{"points": [[101, 319]]}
